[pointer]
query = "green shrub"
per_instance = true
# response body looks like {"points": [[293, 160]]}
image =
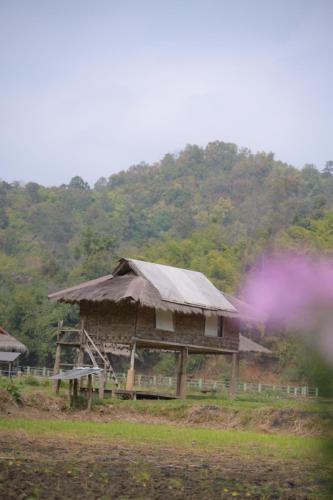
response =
{"points": [[30, 380], [79, 402], [14, 391]]}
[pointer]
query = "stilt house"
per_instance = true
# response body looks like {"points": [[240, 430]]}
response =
{"points": [[146, 305]]}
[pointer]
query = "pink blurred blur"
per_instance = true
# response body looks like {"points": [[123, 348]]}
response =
{"points": [[296, 291]]}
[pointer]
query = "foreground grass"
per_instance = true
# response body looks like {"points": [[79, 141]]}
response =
{"points": [[273, 445]]}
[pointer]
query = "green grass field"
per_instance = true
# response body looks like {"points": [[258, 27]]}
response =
{"points": [[278, 445]]}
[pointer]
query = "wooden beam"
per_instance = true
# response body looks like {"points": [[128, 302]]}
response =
{"points": [[176, 346], [69, 344]]}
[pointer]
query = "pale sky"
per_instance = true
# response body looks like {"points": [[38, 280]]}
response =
{"points": [[91, 87]]}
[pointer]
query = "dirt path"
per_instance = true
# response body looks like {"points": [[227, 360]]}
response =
{"points": [[54, 468]]}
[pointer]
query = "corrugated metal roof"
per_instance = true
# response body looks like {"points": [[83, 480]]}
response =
{"points": [[8, 357], [77, 373], [182, 285]]}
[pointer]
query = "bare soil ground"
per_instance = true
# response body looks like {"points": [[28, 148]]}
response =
{"points": [[54, 468]]}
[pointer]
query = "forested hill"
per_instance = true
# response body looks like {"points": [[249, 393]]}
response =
{"points": [[212, 209]]}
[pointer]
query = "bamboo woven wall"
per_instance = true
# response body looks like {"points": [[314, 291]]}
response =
{"points": [[120, 322]]}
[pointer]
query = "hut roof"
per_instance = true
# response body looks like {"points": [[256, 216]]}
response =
{"points": [[152, 285], [248, 345], [10, 343], [181, 286]]}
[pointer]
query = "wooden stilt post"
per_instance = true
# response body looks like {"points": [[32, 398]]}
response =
{"points": [[57, 359], [80, 353], [102, 380], [234, 374], [179, 361], [131, 372], [76, 388], [182, 375], [57, 368], [79, 357], [89, 391], [70, 392]]}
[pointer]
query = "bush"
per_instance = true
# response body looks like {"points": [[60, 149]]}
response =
{"points": [[30, 380], [14, 391]]}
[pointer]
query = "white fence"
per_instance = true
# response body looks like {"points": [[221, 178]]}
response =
{"points": [[199, 384]]}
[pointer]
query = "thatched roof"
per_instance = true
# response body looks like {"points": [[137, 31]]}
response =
{"points": [[248, 345], [152, 285], [10, 343]]}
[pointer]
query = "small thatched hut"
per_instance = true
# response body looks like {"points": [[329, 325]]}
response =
{"points": [[149, 305], [10, 350], [8, 343]]}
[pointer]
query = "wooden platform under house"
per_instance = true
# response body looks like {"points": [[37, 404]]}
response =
{"points": [[147, 305]]}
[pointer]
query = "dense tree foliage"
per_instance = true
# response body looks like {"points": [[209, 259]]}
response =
{"points": [[214, 209]]}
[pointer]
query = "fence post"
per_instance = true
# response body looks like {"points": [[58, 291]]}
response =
{"points": [[317, 391], [259, 387]]}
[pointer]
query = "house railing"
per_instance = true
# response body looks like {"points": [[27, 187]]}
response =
{"points": [[200, 384]]}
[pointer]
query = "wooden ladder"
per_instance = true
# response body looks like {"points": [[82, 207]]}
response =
{"points": [[94, 351]]}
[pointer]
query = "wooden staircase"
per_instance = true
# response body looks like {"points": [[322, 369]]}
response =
{"points": [[98, 356]]}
